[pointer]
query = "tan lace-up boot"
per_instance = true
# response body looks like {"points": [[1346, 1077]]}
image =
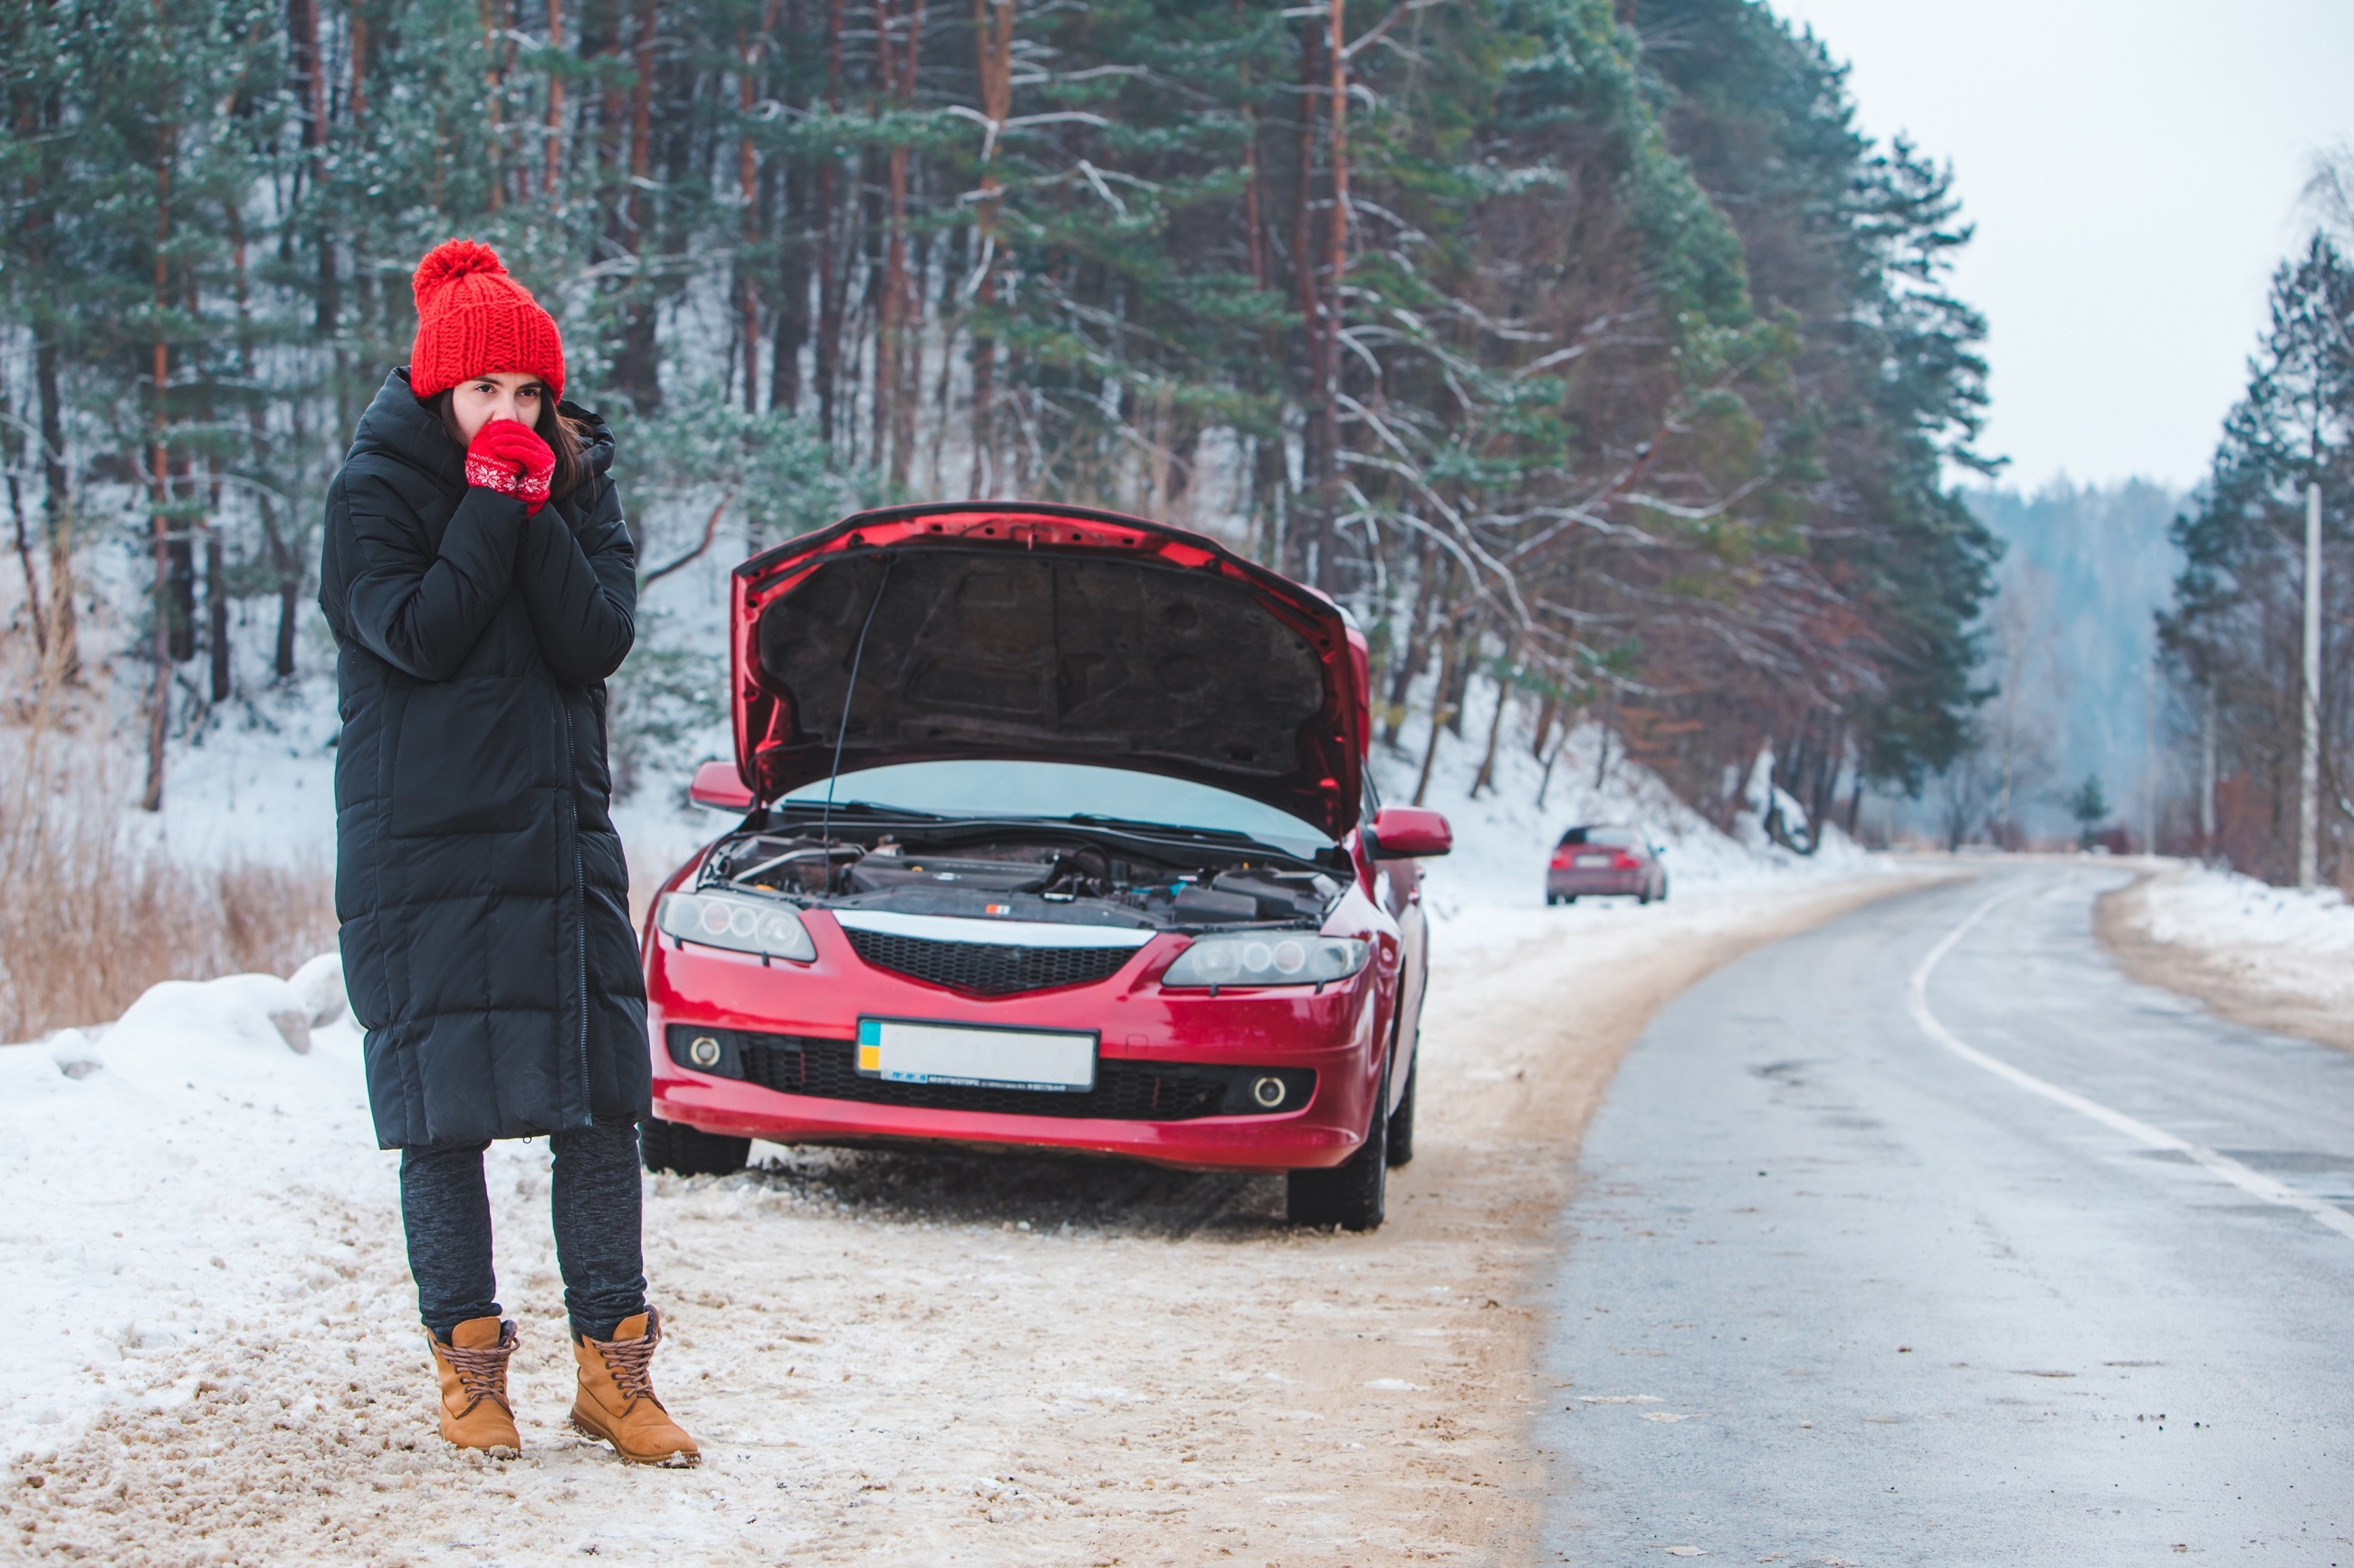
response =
{"points": [[474, 1371], [617, 1400]]}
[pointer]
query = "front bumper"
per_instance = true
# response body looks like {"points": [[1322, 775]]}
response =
{"points": [[1290, 1029]]}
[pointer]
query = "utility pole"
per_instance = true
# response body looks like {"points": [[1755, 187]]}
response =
{"points": [[2308, 799]]}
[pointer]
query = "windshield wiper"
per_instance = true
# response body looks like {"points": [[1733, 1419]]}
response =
{"points": [[1166, 832], [897, 813], [1134, 824]]}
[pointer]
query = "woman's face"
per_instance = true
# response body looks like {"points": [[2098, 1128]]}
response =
{"points": [[508, 395]]}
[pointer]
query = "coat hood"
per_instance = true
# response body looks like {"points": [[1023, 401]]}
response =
{"points": [[396, 425], [1040, 632]]}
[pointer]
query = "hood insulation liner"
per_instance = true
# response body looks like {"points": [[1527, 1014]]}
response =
{"points": [[1074, 657]]}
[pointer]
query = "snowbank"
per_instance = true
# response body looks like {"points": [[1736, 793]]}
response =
{"points": [[2204, 908], [2271, 958], [168, 1180]]}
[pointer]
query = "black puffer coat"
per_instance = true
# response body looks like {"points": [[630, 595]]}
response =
{"points": [[485, 906]]}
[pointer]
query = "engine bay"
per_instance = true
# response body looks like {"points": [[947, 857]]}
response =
{"points": [[1023, 871]]}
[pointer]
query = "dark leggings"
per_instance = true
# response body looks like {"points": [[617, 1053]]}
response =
{"points": [[593, 1199]]}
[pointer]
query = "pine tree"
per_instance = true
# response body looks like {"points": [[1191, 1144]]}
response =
{"points": [[2235, 631], [2091, 807]]}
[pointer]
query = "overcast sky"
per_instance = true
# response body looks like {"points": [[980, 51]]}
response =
{"points": [[2133, 168]]}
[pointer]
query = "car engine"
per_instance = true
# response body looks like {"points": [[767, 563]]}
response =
{"points": [[1053, 877]]}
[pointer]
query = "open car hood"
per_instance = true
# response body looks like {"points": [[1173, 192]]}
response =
{"points": [[1046, 633]]}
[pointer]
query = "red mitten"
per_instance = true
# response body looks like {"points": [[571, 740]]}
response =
{"points": [[511, 458]]}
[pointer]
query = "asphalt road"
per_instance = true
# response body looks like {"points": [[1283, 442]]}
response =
{"points": [[2007, 1266]]}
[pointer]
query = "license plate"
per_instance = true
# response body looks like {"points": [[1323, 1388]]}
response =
{"points": [[1593, 859], [900, 1051]]}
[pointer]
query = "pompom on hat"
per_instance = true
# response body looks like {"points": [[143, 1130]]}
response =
{"points": [[474, 319]]}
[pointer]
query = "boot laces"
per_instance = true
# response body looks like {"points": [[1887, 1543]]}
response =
{"points": [[631, 1362], [482, 1371]]}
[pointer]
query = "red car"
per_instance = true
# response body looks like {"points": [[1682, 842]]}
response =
{"points": [[1602, 860], [1057, 833]]}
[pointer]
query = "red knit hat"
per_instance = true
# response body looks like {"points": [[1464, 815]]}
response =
{"points": [[474, 319]]}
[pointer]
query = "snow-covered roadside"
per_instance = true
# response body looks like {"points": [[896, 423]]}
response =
{"points": [[925, 1357], [2273, 957], [175, 1180], [2202, 908], [1489, 895]]}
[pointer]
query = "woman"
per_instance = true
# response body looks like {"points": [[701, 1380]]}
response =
{"points": [[482, 586]]}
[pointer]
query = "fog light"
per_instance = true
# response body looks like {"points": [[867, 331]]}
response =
{"points": [[1267, 1093], [704, 1051]]}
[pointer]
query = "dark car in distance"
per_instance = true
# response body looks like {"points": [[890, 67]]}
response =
{"points": [[1606, 860]]}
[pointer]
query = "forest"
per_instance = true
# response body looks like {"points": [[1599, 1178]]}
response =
{"points": [[1587, 348], [2233, 638]]}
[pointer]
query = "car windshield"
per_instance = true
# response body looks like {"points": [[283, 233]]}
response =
{"points": [[1604, 838], [992, 788]]}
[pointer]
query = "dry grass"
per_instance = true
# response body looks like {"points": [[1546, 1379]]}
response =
{"points": [[87, 918]]}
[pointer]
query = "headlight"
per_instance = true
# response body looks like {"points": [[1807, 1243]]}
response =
{"points": [[1266, 959], [739, 924]]}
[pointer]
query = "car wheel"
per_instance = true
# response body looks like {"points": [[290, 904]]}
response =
{"points": [[1551, 899], [1401, 1131], [689, 1151], [1663, 890], [1644, 896], [1351, 1194], [1569, 898]]}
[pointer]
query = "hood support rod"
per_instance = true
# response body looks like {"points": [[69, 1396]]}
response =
{"points": [[841, 731]]}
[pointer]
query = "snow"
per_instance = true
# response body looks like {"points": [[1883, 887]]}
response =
{"points": [[142, 1158], [1489, 892], [2273, 957], [256, 782], [318, 987], [2206, 908]]}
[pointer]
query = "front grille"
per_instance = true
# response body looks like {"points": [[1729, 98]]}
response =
{"points": [[984, 968], [1125, 1090]]}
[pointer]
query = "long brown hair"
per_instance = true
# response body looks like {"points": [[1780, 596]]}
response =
{"points": [[564, 436]]}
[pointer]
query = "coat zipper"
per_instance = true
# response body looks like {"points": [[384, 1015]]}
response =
{"points": [[579, 890]]}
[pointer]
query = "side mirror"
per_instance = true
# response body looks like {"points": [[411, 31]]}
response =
{"points": [[718, 785], [1408, 833]]}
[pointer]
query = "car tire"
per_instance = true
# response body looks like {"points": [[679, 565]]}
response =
{"points": [[1551, 899], [1400, 1137], [1644, 896], [689, 1151], [1569, 898], [1352, 1194]]}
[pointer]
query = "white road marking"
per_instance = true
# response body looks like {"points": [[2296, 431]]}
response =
{"points": [[2223, 1165]]}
